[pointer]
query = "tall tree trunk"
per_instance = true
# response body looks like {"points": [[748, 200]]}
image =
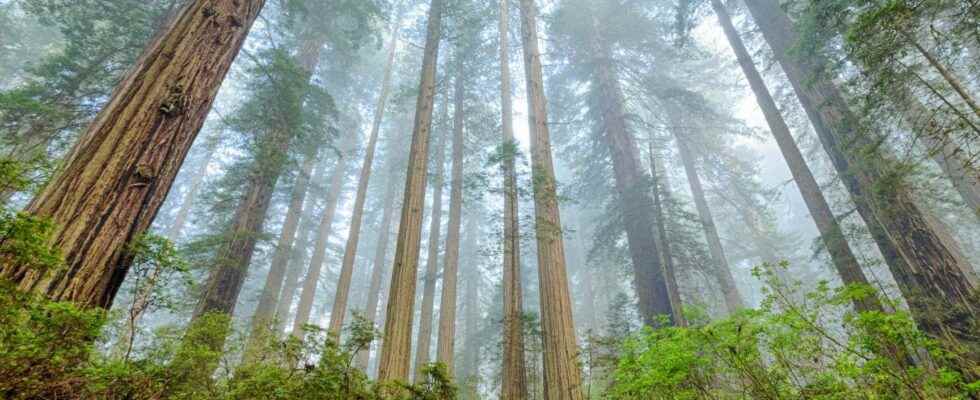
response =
{"points": [[722, 270], [562, 376], [323, 231], [632, 184], [514, 377], [470, 369], [930, 272], [423, 343], [831, 235], [297, 258], [262, 322], [662, 240], [176, 229], [118, 174], [397, 347], [381, 252], [354, 235], [450, 266]]}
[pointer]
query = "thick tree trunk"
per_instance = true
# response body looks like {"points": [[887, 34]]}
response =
{"points": [[424, 340], [562, 376], [379, 271], [262, 322], [397, 347], [323, 231], [514, 376], [450, 266], [632, 184], [722, 270], [831, 235], [929, 271], [354, 235], [297, 258], [120, 171]]}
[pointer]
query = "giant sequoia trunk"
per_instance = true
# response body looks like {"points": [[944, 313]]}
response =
{"points": [[265, 310], [354, 235], [450, 265], [562, 376], [424, 341], [120, 171], [397, 347], [722, 270], [514, 377], [380, 253], [930, 272], [323, 231], [831, 235], [632, 184]]}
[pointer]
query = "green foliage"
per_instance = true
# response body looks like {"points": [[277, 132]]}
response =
{"points": [[786, 350], [24, 241]]}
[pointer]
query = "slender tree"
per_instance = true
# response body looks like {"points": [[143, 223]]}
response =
{"points": [[450, 266], [661, 239], [831, 235], [427, 311], [396, 348], [323, 231], [354, 235], [562, 377], [129, 156], [514, 376], [930, 272]]}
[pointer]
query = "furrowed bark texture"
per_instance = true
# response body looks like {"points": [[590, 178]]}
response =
{"points": [[831, 235], [930, 272], [514, 377], [353, 237], [323, 231], [397, 347], [562, 377], [632, 184], [424, 340], [450, 265], [118, 174]]}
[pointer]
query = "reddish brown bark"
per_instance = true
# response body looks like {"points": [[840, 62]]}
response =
{"points": [[424, 340], [120, 171], [562, 376], [397, 345]]}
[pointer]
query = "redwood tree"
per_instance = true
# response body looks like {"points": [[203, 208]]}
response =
{"points": [[119, 172]]}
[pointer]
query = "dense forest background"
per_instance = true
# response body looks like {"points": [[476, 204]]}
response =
{"points": [[460, 199]]}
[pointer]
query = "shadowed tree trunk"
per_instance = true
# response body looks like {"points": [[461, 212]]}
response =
{"points": [[396, 349], [632, 183], [450, 266], [930, 272], [297, 258], [118, 174], [323, 231], [514, 377], [354, 235], [423, 343], [562, 376], [831, 235]]}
